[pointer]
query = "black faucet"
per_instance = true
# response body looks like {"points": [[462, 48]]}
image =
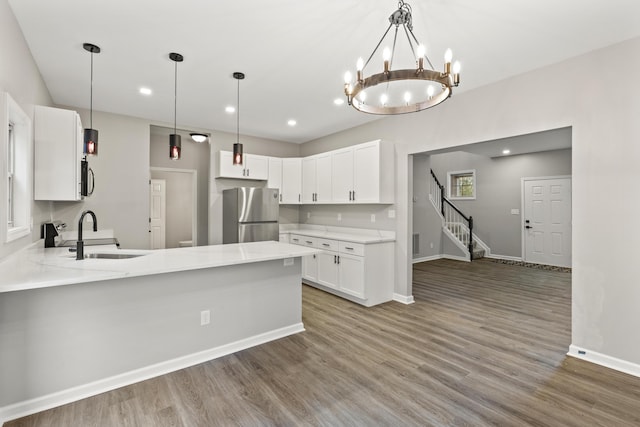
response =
{"points": [[80, 244]]}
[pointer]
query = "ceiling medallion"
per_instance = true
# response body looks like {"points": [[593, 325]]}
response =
{"points": [[403, 90]]}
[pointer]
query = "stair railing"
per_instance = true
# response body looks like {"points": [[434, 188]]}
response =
{"points": [[456, 222]]}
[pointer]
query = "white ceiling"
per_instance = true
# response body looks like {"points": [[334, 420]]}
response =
{"points": [[294, 53]]}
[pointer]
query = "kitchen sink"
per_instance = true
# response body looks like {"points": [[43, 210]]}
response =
{"points": [[112, 256]]}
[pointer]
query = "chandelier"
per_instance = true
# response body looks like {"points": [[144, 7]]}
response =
{"points": [[403, 90]]}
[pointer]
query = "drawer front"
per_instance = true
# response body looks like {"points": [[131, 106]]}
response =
{"points": [[296, 239], [303, 240], [329, 245], [352, 248]]}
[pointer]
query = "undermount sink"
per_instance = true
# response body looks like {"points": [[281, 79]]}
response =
{"points": [[112, 256]]}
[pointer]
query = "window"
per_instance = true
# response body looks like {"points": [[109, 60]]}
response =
{"points": [[16, 148], [462, 185]]}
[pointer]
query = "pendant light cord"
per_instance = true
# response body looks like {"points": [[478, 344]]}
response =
{"points": [[238, 116], [175, 98], [91, 96]]}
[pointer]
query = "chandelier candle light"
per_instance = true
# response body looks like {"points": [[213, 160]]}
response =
{"points": [[416, 97]]}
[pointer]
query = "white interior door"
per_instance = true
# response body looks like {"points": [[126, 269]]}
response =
{"points": [[547, 221], [157, 213]]}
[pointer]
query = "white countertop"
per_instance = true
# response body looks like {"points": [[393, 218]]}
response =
{"points": [[36, 267], [354, 235]]}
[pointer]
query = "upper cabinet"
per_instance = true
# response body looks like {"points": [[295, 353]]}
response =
{"points": [[316, 178], [363, 173], [253, 167], [57, 154], [291, 190]]}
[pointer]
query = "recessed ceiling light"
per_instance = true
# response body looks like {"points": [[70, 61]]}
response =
{"points": [[145, 91], [230, 109], [292, 122], [338, 101], [506, 151]]}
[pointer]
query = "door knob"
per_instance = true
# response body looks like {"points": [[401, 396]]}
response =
{"points": [[528, 226]]}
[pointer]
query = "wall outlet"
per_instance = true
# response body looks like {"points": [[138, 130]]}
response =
{"points": [[431, 245], [288, 262], [205, 317], [515, 211], [339, 217], [392, 213], [373, 217], [308, 215]]}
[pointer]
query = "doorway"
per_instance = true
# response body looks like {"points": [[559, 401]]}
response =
{"points": [[546, 227], [181, 217]]}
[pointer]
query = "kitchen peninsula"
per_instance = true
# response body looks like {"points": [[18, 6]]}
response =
{"points": [[70, 329]]}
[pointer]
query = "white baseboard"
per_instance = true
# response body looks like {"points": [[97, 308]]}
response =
{"points": [[427, 258], [404, 299], [504, 257], [32, 406], [604, 360]]}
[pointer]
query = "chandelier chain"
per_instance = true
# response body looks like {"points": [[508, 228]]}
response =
{"points": [[175, 97], [91, 96]]}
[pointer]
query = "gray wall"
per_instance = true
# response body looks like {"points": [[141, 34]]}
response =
{"points": [[196, 157], [499, 190], [426, 222], [20, 77]]}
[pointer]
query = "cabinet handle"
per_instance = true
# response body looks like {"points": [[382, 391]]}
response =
{"points": [[354, 196], [298, 197], [247, 172], [348, 248], [349, 195], [243, 172], [335, 260], [295, 240], [309, 242], [280, 196], [338, 259], [326, 244], [314, 256]]}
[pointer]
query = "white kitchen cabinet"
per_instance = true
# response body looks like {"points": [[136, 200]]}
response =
{"points": [[291, 181], [316, 179], [253, 167], [58, 154], [362, 273], [363, 173]]}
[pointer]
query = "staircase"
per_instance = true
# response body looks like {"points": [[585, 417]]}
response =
{"points": [[456, 225]]}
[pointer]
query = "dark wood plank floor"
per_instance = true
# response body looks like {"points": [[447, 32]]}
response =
{"points": [[484, 344]]}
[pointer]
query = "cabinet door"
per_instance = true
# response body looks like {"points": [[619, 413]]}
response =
{"points": [[226, 168], [274, 179], [256, 167], [310, 267], [366, 173], [328, 269], [342, 175], [57, 154], [323, 178], [351, 278], [309, 166], [291, 181]]}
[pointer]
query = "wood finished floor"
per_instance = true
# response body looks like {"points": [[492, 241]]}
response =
{"points": [[484, 344]]}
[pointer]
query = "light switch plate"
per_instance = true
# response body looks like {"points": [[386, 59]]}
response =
{"points": [[392, 213], [515, 211]]}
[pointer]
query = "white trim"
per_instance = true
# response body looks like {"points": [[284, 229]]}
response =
{"points": [[427, 258], [194, 189], [504, 257], [32, 406], [604, 360], [404, 299]]}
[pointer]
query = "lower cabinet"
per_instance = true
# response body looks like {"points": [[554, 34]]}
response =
{"points": [[363, 273]]}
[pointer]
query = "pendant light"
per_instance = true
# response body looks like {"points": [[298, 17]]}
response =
{"points": [[237, 147], [175, 144], [90, 142]]}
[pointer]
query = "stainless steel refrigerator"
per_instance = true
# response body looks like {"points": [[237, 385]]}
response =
{"points": [[250, 214]]}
